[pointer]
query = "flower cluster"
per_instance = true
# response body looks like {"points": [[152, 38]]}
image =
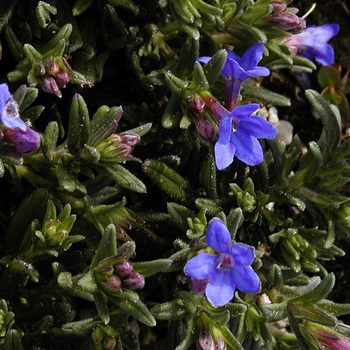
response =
{"points": [[225, 271], [114, 273], [13, 129]]}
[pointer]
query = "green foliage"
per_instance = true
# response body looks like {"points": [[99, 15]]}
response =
{"points": [[125, 179]]}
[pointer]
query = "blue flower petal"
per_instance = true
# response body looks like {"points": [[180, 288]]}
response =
{"points": [[259, 72], [232, 70], [220, 289], [243, 253], [325, 55], [245, 279], [245, 110], [9, 115], [225, 130], [252, 56], [202, 266], [224, 154], [231, 55], [204, 59], [248, 148], [218, 236], [323, 33], [258, 127]]}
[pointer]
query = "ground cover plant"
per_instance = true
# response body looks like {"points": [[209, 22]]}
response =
{"points": [[174, 174]]}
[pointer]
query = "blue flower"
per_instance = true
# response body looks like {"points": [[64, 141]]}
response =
{"points": [[312, 43], [9, 114], [228, 270], [237, 69], [24, 141], [238, 133]]}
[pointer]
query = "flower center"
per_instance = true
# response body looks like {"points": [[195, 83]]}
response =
{"points": [[226, 262], [11, 109], [235, 125]]}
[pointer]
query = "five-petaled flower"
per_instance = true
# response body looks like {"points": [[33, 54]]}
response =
{"points": [[238, 133], [228, 270], [312, 43], [237, 69], [14, 129]]}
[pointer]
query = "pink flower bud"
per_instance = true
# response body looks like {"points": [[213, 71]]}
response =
{"points": [[205, 129], [124, 268], [62, 78], [135, 281], [278, 6], [51, 66], [113, 284], [49, 85], [130, 138], [285, 20]]}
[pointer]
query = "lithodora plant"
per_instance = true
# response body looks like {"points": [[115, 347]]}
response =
{"points": [[174, 174]]}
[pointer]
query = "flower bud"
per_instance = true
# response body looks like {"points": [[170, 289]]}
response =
{"points": [[124, 268], [135, 281], [51, 66], [278, 6], [196, 104], [206, 130], [62, 78], [113, 284], [285, 20], [130, 138], [24, 141], [49, 85], [106, 269], [206, 341]]}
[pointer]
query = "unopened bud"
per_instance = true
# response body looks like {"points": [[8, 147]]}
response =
{"points": [[51, 66], [62, 78], [49, 85], [278, 6], [135, 281], [124, 268], [206, 341], [285, 20], [113, 284], [205, 129], [130, 138], [196, 103], [106, 269]]}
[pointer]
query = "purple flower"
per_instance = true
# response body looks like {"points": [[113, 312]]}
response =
{"points": [[9, 114], [227, 270], [24, 141], [312, 43], [237, 69], [238, 133]]}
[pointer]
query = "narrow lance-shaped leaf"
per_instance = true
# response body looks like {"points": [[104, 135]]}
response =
{"points": [[79, 124]]}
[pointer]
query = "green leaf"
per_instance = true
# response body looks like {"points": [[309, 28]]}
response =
{"points": [[12, 341], [16, 47], [81, 6], [168, 180], [49, 140], [130, 302], [199, 78], [264, 94], [33, 207], [67, 179], [107, 246], [33, 55], [172, 113], [43, 12], [328, 76], [171, 310], [123, 177], [318, 293], [214, 67], [79, 124], [331, 122], [104, 123], [231, 342], [150, 268]]}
